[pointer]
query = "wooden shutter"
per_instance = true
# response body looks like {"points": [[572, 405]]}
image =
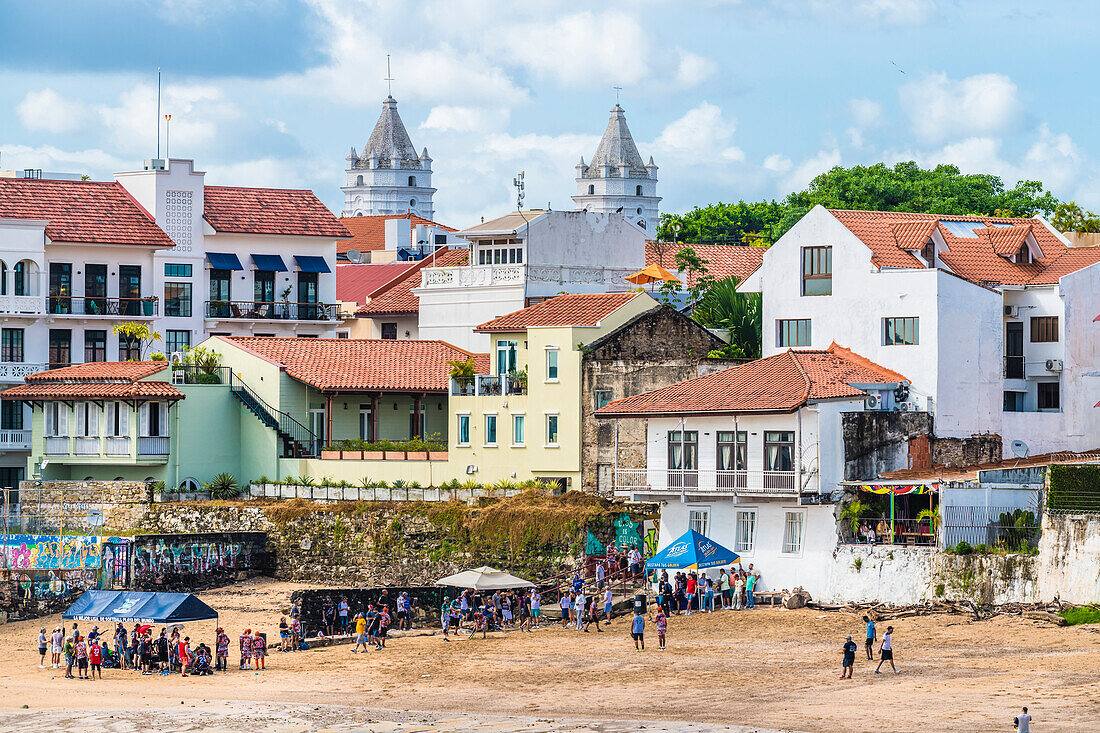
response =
{"points": [[143, 419]]}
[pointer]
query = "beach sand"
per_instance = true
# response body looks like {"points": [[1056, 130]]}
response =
{"points": [[772, 668]]}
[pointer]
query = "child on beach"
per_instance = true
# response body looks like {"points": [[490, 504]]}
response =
{"points": [[221, 646], [661, 621], [849, 658]]}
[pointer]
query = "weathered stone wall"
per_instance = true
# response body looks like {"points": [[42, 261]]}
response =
{"points": [[657, 348], [972, 451], [190, 562], [876, 441], [54, 505], [1069, 554]]}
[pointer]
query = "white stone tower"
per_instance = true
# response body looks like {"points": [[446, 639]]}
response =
{"points": [[389, 177], [617, 180]]}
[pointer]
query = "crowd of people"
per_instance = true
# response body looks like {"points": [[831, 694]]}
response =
{"points": [[136, 649], [694, 591], [886, 650]]}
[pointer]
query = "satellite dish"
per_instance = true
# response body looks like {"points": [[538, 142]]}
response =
{"points": [[95, 518], [1019, 449], [355, 256]]}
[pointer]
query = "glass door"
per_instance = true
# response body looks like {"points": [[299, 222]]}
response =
{"points": [[61, 287], [1014, 350], [129, 290], [683, 459], [95, 289]]}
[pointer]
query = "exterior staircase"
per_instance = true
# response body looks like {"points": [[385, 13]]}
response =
{"points": [[296, 439]]}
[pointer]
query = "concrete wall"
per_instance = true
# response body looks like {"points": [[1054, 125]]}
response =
{"points": [[1081, 375]]}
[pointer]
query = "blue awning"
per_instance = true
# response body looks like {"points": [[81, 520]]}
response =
{"points": [[129, 606], [223, 261], [269, 263], [311, 263], [692, 551]]}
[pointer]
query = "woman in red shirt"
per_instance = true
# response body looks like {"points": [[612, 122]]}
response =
{"points": [[185, 655]]}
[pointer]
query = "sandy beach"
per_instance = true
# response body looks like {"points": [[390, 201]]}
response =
{"points": [[771, 668]]}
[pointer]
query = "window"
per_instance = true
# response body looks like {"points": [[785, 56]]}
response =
{"points": [[793, 332], [366, 427], [733, 450], [1048, 396], [638, 192], [745, 527], [1013, 401], [129, 348], [440, 240], [778, 450], [95, 289], [817, 270], [87, 419], [57, 419], [602, 397], [129, 290], [1044, 329], [551, 365], [263, 286], [683, 450], [176, 270], [1023, 255], [177, 299], [176, 341], [389, 331], [61, 342], [219, 291], [929, 253], [901, 331], [418, 431], [792, 533], [95, 346], [61, 287], [551, 429], [698, 519], [11, 415], [517, 430], [11, 344], [118, 419], [153, 419], [343, 335], [506, 357], [591, 189], [490, 430], [307, 293], [463, 429], [412, 180], [19, 273]]}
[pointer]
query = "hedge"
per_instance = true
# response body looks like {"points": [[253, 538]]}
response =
{"points": [[1074, 489]]}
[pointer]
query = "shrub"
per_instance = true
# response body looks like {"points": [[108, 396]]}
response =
{"points": [[326, 482], [223, 486], [1081, 615], [157, 487], [939, 590], [305, 480], [963, 548], [981, 549], [398, 484], [1074, 489]]}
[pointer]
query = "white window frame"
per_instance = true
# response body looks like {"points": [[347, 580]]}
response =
{"points": [[557, 365], [546, 429], [496, 429], [739, 545], [786, 548], [693, 518], [523, 417], [458, 429]]}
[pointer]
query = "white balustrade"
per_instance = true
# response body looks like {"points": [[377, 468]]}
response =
{"points": [[152, 446], [15, 439], [16, 370], [86, 445], [736, 483], [57, 446], [116, 446]]}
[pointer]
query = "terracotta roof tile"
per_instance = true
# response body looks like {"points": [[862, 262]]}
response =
{"points": [[291, 212], [564, 310], [912, 235], [92, 212], [100, 371], [780, 383], [360, 283], [399, 299], [723, 260], [363, 365], [90, 391], [1005, 241], [368, 233]]}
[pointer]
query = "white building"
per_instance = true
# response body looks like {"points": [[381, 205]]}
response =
{"points": [[388, 177], [991, 318], [154, 246], [753, 456], [522, 258], [617, 180]]}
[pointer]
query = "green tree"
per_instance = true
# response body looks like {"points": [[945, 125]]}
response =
{"points": [[721, 306], [145, 337], [723, 223], [1070, 217]]}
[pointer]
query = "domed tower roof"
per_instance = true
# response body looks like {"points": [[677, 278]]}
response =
{"points": [[389, 138], [617, 150]]}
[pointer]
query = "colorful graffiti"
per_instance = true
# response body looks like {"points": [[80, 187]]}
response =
{"points": [[50, 552], [188, 562], [626, 532], [652, 530]]}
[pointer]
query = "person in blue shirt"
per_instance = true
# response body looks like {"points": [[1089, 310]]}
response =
{"points": [[871, 636], [849, 658], [637, 629]]}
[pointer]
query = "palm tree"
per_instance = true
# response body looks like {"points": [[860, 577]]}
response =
{"points": [[463, 372], [723, 307]]}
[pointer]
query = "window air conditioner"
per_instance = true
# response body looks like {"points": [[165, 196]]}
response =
{"points": [[1054, 365], [1012, 311], [874, 401]]}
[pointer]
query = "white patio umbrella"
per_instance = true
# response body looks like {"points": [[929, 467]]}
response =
{"points": [[485, 578]]}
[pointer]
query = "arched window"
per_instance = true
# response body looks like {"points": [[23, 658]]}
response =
{"points": [[189, 486], [591, 189], [637, 190], [412, 180], [359, 180], [639, 210], [412, 202], [19, 279]]}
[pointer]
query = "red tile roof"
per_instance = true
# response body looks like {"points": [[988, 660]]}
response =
{"points": [[360, 283], [723, 260], [912, 235], [1005, 241], [363, 365], [101, 371], [973, 258], [92, 212], [291, 212], [780, 383], [564, 310], [368, 233], [399, 299]]}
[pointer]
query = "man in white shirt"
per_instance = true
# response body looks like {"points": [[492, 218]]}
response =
{"points": [[601, 573], [1023, 722], [886, 651], [580, 604]]}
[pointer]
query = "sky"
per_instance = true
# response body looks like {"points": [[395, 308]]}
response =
{"points": [[734, 99]]}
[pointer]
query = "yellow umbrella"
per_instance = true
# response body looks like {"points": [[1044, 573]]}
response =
{"points": [[650, 274]]}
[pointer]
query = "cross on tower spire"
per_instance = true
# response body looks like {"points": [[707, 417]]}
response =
{"points": [[389, 78], [617, 89]]}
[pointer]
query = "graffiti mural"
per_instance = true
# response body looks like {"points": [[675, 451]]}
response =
{"points": [[652, 530], [626, 532], [50, 552], [190, 562], [31, 593]]}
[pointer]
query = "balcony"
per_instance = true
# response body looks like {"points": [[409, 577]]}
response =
{"points": [[32, 306], [14, 371], [97, 307], [153, 446], [729, 483], [247, 310], [15, 439], [485, 385], [105, 449], [485, 275]]}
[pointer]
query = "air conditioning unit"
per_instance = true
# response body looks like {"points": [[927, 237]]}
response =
{"points": [[907, 407], [1054, 365], [873, 401], [1012, 311]]}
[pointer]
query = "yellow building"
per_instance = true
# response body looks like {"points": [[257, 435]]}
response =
{"points": [[523, 420]]}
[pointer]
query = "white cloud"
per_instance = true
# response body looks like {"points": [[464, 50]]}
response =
{"points": [[1054, 159], [896, 12], [801, 175], [93, 162], [694, 69], [940, 108], [446, 118], [48, 111], [699, 135], [777, 163], [865, 112]]}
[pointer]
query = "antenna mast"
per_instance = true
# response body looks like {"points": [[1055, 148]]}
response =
{"points": [[520, 195], [158, 112], [389, 78]]}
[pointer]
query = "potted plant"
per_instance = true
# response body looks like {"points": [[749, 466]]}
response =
{"points": [[147, 305], [517, 381], [464, 373], [417, 450], [285, 297], [330, 452], [352, 450]]}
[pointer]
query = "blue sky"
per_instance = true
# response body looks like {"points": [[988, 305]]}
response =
{"points": [[733, 98]]}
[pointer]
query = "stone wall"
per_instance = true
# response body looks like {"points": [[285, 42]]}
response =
{"points": [[961, 452], [53, 506], [655, 349], [190, 562], [878, 441]]}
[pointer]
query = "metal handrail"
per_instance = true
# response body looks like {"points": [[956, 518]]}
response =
{"points": [[297, 432], [271, 310], [101, 305]]}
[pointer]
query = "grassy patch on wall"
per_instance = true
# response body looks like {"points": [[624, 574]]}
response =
{"points": [[1081, 615]]}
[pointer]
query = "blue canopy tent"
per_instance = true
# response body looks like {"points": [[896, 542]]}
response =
{"points": [[129, 606], [692, 551]]}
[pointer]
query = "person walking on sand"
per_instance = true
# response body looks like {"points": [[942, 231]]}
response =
{"points": [[849, 658], [607, 604], [536, 608], [886, 651], [360, 632], [637, 631], [58, 641], [1022, 722], [580, 604], [871, 636], [43, 647], [661, 622]]}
